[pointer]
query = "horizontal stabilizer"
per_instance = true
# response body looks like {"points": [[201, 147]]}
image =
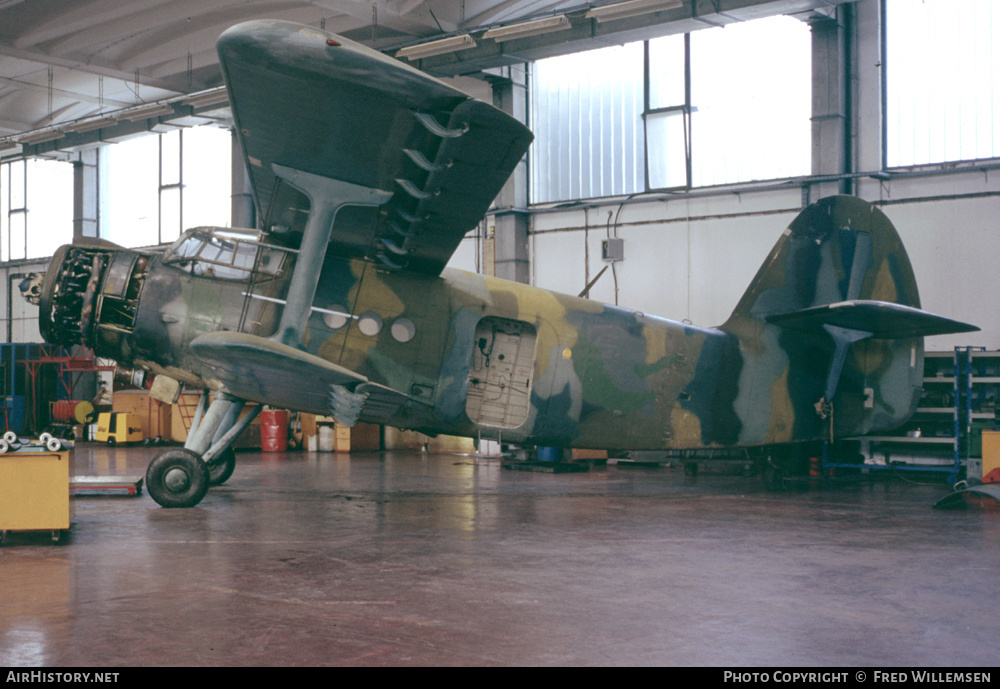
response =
{"points": [[970, 496], [884, 320]]}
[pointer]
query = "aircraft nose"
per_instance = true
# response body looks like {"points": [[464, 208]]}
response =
{"points": [[73, 292], [89, 296]]}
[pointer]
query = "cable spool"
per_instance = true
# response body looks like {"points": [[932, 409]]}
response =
{"points": [[72, 411]]}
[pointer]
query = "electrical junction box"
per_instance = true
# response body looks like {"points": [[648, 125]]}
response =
{"points": [[613, 249]]}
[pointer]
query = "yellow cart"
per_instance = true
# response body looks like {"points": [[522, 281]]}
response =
{"points": [[116, 428]]}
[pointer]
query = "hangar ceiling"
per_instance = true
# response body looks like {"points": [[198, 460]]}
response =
{"points": [[66, 62]]}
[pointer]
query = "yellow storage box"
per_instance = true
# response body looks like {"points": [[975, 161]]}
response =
{"points": [[34, 492]]}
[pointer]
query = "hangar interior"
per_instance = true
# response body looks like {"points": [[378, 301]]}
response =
{"points": [[675, 141]]}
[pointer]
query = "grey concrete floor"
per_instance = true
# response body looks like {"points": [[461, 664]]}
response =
{"points": [[415, 559]]}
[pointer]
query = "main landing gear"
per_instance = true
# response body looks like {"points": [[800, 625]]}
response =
{"points": [[182, 477]]}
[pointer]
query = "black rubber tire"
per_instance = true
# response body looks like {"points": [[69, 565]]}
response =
{"points": [[111, 442], [222, 467], [177, 478]]}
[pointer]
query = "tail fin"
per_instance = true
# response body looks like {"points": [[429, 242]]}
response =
{"points": [[835, 311]]}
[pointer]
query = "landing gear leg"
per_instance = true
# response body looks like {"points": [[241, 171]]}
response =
{"points": [[181, 478]]}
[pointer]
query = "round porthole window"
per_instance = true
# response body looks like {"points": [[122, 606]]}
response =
{"points": [[403, 329], [370, 323], [335, 317]]}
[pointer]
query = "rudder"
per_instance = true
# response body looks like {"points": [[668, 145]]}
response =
{"points": [[831, 328]]}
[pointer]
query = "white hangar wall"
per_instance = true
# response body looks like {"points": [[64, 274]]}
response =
{"points": [[685, 259], [691, 256]]}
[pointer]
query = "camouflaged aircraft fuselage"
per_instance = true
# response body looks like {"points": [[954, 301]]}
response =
{"points": [[474, 355]]}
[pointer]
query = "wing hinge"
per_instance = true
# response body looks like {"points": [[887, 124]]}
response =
{"points": [[437, 129], [407, 220], [346, 406]]}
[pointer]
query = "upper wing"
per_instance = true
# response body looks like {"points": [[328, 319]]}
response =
{"points": [[307, 100]]}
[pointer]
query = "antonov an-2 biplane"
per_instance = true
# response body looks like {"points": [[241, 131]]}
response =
{"points": [[368, 174]]}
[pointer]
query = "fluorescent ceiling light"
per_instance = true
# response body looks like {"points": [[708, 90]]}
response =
{"points": [[90, 125], [38, 136], [445, 45], [632, 8], [208, 97], [145, 112], [532, 28]]}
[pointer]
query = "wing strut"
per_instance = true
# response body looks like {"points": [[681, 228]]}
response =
{"points": [[326, 196]]}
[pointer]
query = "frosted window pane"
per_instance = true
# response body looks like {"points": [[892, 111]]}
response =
{"points": [[170, 214], [207, 177], [50, 204], [587, 118], [170, 157], [666, 151], [666, 72], [130, 208], [942, 72], [751, 101]]}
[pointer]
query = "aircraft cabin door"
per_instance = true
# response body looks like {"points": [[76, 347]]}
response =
{"points": [[503, 359]]}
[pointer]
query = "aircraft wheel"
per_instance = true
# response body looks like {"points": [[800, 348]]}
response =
{"points": [[222, 467], [177, 478]]}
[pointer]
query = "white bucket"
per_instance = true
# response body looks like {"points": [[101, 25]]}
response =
{"points": [[326, 437]]}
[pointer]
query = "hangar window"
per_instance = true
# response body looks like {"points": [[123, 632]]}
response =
{"points": [[713, 107], [751, 101], [36, 208], [153, 187], [942, 81], [587, 120]]}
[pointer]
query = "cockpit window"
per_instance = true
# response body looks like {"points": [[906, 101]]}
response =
{"points": [[224, 254]]}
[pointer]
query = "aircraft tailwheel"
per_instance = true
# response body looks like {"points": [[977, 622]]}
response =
{"points": [[177, 478], [222, 467]]}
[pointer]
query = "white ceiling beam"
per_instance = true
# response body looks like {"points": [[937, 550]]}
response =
{"points": [[178, 19], [497, 12], [83, 17], [56, 114], [47, 60], [405, 17], [62, 93]]}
